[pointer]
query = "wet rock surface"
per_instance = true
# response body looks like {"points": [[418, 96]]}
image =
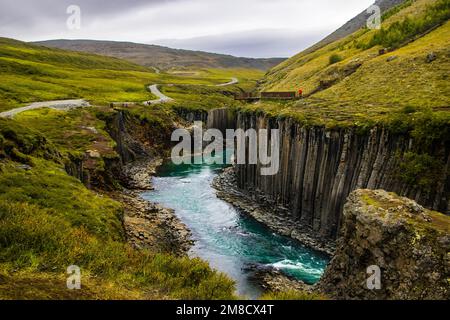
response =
{"points": [[153, 227], [273, 280], [139, 174]]}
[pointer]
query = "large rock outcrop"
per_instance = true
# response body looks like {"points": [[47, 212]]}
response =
{"points": [[409, 244]]}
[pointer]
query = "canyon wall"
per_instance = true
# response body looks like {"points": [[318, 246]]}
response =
{"points": [[137, 142], [192, 115], [221, 119], [320, 167]]}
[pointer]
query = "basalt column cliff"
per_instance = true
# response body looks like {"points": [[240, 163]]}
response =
{"points": [[320, 167]]}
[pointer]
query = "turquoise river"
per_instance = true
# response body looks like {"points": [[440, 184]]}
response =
{"points": [[228, 240]]}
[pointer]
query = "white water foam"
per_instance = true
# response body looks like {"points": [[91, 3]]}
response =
{"points": [[293, 265]]}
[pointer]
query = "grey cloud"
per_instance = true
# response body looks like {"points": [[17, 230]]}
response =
{"points": [[30, 12], [257, 43], [223, 24]]}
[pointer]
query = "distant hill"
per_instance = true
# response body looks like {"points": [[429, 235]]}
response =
{"points": [[161, 57]]}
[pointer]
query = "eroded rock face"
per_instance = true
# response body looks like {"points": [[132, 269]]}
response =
{"points": [[409, 244]]}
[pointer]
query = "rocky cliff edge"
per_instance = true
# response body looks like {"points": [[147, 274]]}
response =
{"points": [[389, 248]]}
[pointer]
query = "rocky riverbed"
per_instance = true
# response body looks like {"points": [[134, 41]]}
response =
{"points": [[148, 225]]}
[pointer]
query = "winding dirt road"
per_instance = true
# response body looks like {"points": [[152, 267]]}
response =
{"points": [[233, 81], [162, 97], [57, 105], [80, 103]]}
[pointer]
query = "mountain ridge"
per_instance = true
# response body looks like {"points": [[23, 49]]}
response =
{"points": [[354, 24], [159, 56]]}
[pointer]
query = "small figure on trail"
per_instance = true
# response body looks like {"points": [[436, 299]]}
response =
{"points": [[300, 93]]}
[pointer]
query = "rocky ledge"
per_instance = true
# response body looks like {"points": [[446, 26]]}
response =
{"points": [[138, 174], [273, 280], [408, 245], [275, 217], [148, 225]]}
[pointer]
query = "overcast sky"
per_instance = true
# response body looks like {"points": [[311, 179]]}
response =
{"points": [[252, 28]]}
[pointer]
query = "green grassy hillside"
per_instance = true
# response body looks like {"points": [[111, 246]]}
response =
{"points": [[349, 81], [32, 73]]}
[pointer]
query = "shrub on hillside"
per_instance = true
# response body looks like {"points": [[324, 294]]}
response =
{"points": [[335, 58], [400, 32]]}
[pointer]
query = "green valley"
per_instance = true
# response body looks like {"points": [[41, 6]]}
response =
{"points": [[358, 126], [34, 73]]}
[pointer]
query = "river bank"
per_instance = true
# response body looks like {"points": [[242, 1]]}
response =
{"points": [[148, 225]]}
